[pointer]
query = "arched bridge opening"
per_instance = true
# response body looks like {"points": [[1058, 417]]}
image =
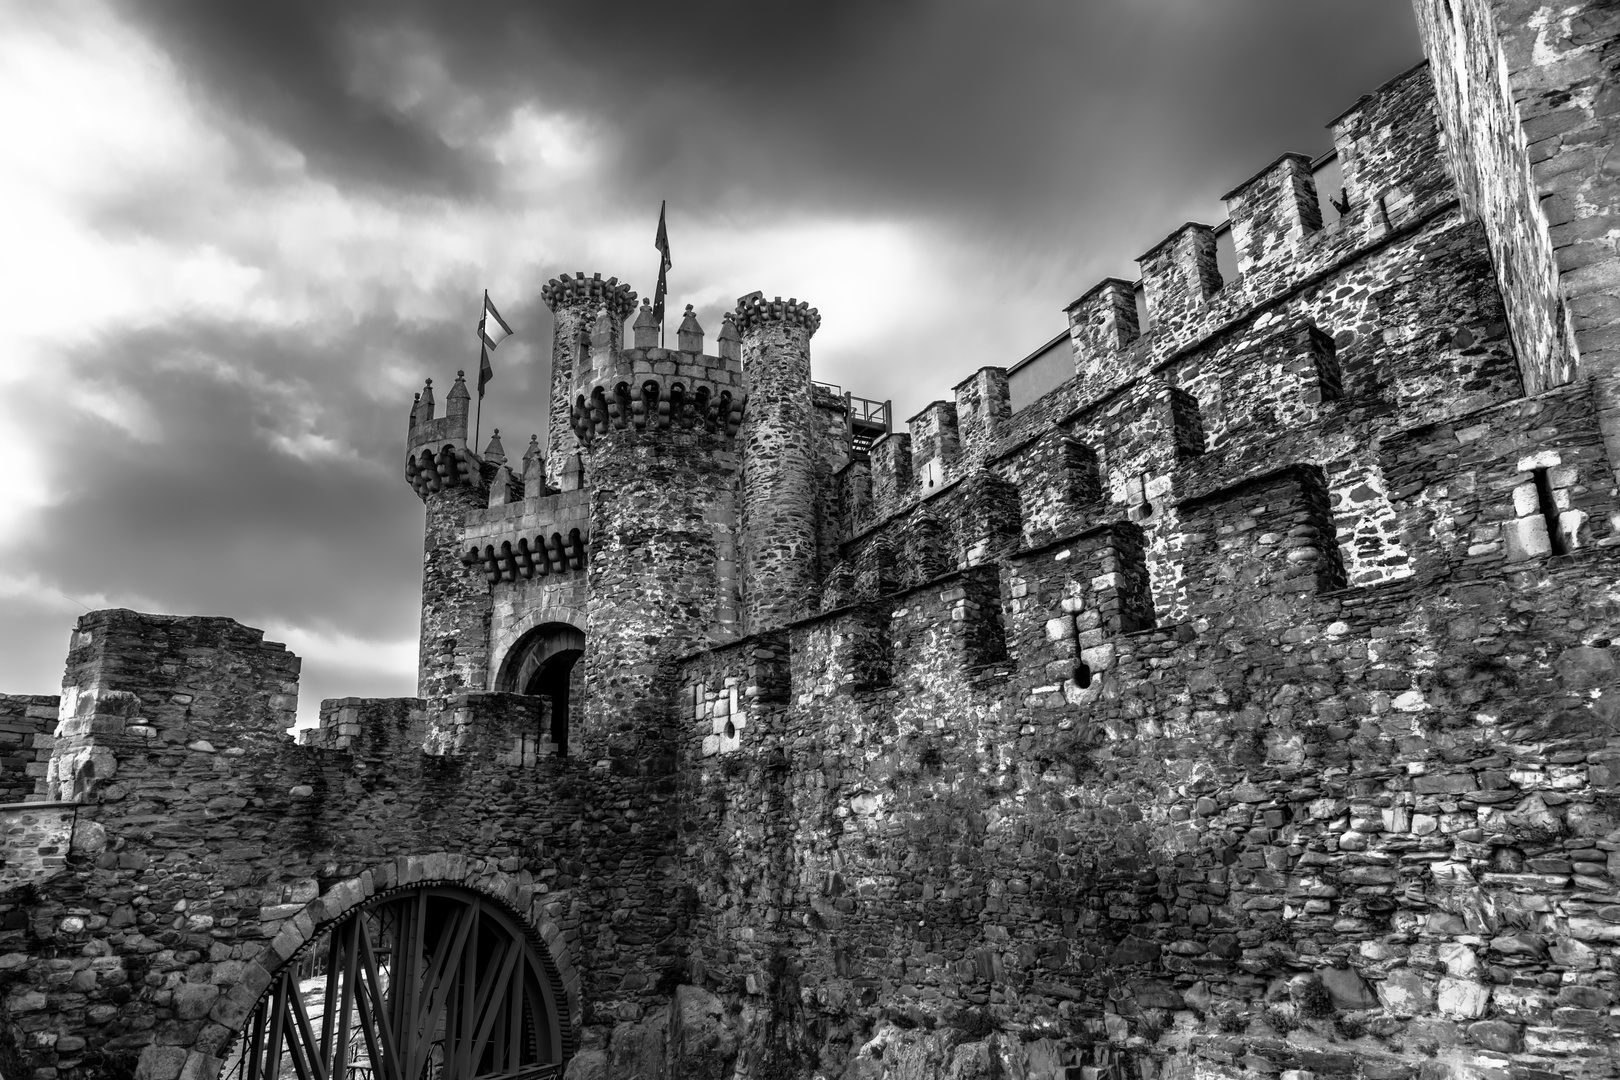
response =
{"points": [[431, 982], [543, 663]]}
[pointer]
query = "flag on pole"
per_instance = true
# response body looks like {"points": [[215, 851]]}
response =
{"points": [[492, 330], [661, 242]]}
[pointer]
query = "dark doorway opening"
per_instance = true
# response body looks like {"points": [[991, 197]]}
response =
{"points": [[545, 664]]}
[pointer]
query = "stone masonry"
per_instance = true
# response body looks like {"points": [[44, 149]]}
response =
{"points": [[1246, 705]]}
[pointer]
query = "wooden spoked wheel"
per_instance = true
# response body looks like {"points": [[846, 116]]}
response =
{"points": [[434, 983]]}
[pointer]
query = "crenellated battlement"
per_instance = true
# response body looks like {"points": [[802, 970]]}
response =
{"points": [[539, 536], [1195, 369], [589, 293], [658, 403], [437, 456], [754, 310], [435, 468], [650, 388], [1274, 210], [1288, 236]]}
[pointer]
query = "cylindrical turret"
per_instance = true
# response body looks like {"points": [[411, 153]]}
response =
{"points": [[439, 465], [575, 302], [778, 481], [658, 429]]}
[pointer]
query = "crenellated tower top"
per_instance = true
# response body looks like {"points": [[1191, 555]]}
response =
{"points": [[591, 293], [755, 310], [436, 453]]}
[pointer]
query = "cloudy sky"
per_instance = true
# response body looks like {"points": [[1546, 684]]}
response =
{"points": [[239, 235]]}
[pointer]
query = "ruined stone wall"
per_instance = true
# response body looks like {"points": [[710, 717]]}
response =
{"points": [[211, 846]]}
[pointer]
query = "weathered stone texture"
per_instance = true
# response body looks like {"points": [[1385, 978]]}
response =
{"points": [[779, 565], [1529, 91], [983, 409], [36, 840], [1247, 705], [454, 646], [26, 725], [574, 303]]}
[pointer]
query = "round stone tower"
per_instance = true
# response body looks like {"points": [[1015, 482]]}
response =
{"points": [[778, 468], [656, 430], [575, 302]]}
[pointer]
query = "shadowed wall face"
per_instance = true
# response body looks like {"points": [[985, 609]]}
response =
{"points": [[1528, 93]]}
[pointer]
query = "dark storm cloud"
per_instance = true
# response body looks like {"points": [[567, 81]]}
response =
{"points": [[287, 66], [1009, 112], [219, 514]]}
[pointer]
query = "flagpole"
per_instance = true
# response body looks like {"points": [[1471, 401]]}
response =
{"points": [[485, 372], [661, 243], [483, 349]]}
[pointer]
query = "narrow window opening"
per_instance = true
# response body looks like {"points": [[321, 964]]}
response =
{"points": [[1187, 423], [1143, 507], [1226, 258], [1083, 472], [1082, 674], [1549, 512], [1325, 355], [1330, 195], [731, 730], [1134, 589], [1144, 318]]}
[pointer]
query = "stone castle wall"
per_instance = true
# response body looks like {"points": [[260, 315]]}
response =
{"points": [[204, 853], [1124, 771], [1245, 706]]}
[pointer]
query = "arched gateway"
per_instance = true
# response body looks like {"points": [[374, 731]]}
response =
{"points": [[542, 664], [426, 982]]}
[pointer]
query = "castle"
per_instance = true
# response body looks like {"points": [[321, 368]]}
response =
{"points": [[1246, 704]]}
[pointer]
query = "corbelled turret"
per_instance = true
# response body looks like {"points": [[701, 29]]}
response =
{"points": [[451, 480]]}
